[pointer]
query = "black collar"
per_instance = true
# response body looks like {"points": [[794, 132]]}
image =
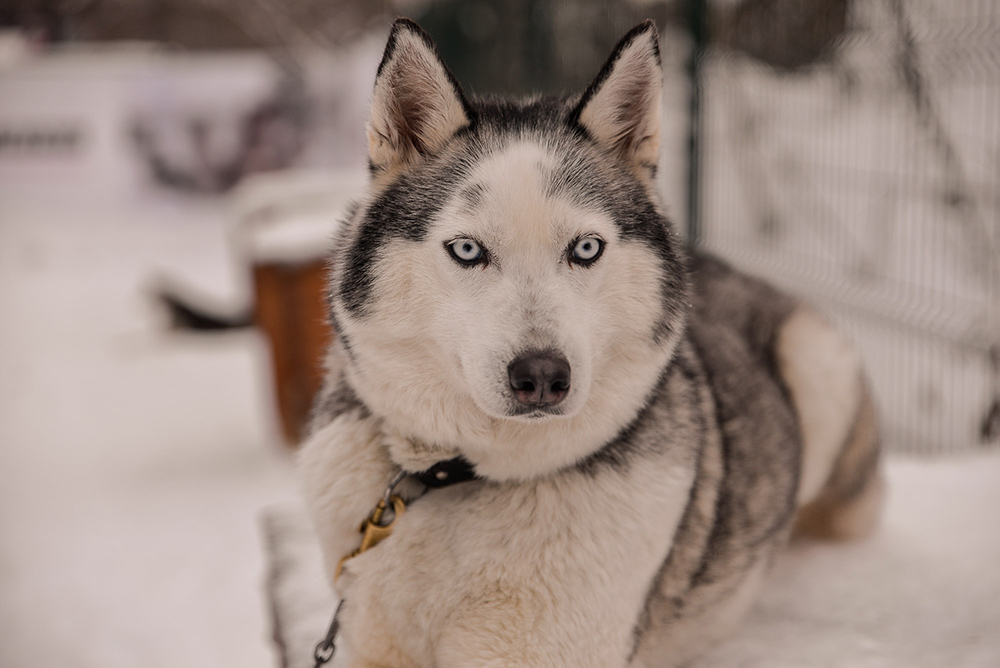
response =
{"points": [[447, 472]]}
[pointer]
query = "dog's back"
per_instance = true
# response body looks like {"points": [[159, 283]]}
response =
{"points": [[752, 338], [795, 435]]}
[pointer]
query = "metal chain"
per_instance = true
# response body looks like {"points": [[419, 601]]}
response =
{"points": [[325, 649], [327, 646]]}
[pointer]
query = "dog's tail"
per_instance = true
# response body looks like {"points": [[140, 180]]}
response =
{"points": [[840, 487], [848, 505]]}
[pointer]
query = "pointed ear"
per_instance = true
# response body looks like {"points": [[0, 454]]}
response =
{"points": [[417, 105], [621, 109]]}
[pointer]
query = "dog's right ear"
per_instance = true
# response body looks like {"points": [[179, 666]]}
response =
{"points": [[417, 105]]}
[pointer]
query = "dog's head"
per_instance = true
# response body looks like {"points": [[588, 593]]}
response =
{"points": [[509, 288]]}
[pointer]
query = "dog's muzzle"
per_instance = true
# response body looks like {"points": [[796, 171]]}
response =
{"points": [[539, 379]]}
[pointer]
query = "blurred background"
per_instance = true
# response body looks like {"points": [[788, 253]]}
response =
{"points": [[171, 172]]}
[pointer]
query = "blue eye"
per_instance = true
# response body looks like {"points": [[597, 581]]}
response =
{"points": [[586, 250], [466, 251]]}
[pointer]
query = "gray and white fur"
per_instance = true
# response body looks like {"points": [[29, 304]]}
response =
{"points": [[647, 426]]}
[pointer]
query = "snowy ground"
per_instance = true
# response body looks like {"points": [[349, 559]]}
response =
{"points": [[133, 462]]}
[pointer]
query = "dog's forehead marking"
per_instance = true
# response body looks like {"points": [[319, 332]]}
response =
{"points": [[472, 195], [517, 166], [510, 189]]}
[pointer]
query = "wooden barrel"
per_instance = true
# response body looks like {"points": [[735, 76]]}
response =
{"points": [[291, 311], [285, 226]]}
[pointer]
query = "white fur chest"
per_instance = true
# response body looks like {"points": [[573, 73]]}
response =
{"points": [[547, 573]]}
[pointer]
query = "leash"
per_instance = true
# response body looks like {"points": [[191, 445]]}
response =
{"points": [[377, 528]]}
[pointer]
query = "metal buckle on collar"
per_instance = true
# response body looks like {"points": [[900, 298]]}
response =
{"points": [[374, 529]]}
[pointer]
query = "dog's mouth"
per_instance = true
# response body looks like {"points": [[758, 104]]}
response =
{"points": [[536, 412]]}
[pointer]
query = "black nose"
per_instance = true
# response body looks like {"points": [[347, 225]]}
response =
{"points": [[539, 378]]}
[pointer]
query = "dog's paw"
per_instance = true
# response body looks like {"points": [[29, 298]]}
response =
{"points": [[415, 455]]}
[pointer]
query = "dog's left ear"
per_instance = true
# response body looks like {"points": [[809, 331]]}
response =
{"points": [[621, 108]]}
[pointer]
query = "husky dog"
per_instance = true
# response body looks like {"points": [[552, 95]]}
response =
{"points": [[645, 426]]}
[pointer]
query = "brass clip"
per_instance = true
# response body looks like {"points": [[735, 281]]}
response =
{"points": [[373, 531]]}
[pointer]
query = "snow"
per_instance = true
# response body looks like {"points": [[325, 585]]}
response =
{"points": [[133, 462], [292, 216], [921, 592]]}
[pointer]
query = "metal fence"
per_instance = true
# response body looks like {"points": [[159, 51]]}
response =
{"points": [[868, 181]]}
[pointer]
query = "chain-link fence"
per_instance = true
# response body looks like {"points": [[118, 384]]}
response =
{"points": [[867, 179]]}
